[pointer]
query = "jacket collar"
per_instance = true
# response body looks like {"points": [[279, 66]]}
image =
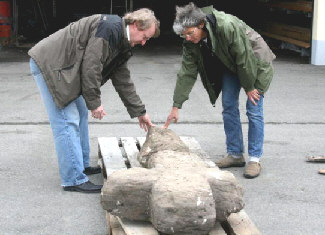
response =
{"points": [[125, 35]]}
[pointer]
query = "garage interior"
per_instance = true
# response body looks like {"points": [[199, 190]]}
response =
{"points": [[286, 25]]}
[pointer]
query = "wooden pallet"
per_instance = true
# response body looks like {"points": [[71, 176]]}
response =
{"points": [[115, 154]]}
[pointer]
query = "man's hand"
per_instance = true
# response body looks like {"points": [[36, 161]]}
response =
{"points": [[173, 116], [145, 122], [98, 113], [253, 95]]}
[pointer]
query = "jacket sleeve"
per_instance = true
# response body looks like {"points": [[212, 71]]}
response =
{"points": [[243, 55], [126, 90], [92, 65], [186, 76]]}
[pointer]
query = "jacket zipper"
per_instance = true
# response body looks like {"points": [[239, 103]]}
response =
{"points": [[59, 70]]}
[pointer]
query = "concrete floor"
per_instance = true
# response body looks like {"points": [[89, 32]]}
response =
{"points": [[288, 197]]}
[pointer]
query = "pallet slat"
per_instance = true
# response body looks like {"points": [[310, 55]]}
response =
{"points": [[240, 224], [111, 154], [113, 225], [118, 231], [137, 227], [217, 230], [131, 150], [195, 147], [140, 141]]}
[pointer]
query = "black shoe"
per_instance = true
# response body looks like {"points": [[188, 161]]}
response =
{"points": [[87, 187], [92, 170]]}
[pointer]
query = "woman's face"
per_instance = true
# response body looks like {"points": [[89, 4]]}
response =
{"points": [[194, 34]]}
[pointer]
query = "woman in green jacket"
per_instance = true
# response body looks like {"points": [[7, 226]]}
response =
{"points": [[228, 55]]}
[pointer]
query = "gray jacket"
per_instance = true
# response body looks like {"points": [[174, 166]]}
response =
{"points": [[80, 58]]}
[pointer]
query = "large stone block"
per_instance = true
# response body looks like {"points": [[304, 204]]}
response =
{"points": [[177, 191]]}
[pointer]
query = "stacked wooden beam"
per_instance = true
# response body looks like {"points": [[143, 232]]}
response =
{"points": [[296, 35], [290, 33]]}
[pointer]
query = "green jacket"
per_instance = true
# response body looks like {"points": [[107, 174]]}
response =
{"points": [[242, 50], [80, 58]]}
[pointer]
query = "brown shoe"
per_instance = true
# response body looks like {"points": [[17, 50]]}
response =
{"points": [[252, 170], [321, 171], [230, 161]]}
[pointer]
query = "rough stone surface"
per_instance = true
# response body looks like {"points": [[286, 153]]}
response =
{"points": [[159, 139], [126, 193], [177, 192]]}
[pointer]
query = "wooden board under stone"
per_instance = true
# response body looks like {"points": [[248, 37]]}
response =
{"points": [[131, 150], [111, 155], [112, 158]]}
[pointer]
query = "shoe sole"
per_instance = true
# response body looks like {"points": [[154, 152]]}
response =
{"points": [[80, 191], [234, 165], [251, 176], [87, 173]]}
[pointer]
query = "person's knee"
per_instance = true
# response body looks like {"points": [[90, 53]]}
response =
{"points": [[255, 114]]}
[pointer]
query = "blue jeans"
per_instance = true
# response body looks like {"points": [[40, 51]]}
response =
{"points": [[231, 118], [70, 131]]}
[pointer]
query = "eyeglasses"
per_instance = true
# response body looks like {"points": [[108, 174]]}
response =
{"points": [[188, 34], [145, 38]]}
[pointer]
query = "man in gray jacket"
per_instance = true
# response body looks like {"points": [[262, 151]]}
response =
{"points": [[69, 68]]}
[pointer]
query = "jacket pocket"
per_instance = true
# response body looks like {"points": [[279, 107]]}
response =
{"points": [[65, 72], [67, 83]]}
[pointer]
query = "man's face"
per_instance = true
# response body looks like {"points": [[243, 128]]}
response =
{"points": [[140, 37], [193, 34]]}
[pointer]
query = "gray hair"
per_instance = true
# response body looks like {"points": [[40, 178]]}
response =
{"points": [[144, 18], [187, 16]]}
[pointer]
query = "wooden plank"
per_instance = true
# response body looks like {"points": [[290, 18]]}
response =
{"points": [[111, 154], [118, 231], [113, 225], [240, 224], [316, 159], [305, 6], [290, 31], [195, 147], [131, 150], [140, 141], [286, 39], [217, 230], [137, 227], [108, 224]]}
